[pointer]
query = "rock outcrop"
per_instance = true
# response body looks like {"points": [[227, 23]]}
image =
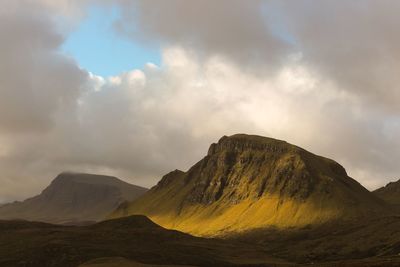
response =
{"points": [[247, 182]]}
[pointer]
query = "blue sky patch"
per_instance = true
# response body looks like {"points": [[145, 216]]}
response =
{"points": [[101, 50]]}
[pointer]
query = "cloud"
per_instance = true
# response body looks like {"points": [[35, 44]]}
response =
{"points": [[354, 44], [236, 29], [144, 123], [35, 79], [150, 121], [289, 71], [36, 82]]}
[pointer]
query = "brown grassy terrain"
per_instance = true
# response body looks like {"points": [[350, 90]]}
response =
{"points": [[135, 238], [136, 241], [364, 241], [121, 262]]}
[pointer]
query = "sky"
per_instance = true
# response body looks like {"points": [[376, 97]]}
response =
{"points": [[98, 48], [138, 88]]}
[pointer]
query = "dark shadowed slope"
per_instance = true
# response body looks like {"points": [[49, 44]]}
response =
{"points": [[247, 182], [136, 241], [74, 197], [390, 193], [122, 262], [373, 241], [136, 238]]}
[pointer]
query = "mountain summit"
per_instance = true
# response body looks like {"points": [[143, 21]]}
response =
{"points": [[247, 182], [74, 197]]}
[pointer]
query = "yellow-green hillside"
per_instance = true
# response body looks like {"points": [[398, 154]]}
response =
{"points": [[247, 182]]}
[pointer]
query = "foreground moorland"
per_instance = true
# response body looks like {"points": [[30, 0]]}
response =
{"points": [[134, 238], [136, 241]]}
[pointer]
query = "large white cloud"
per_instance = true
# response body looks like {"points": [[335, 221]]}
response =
{"points": [[151, 121], [351, 43], [143, 123]]}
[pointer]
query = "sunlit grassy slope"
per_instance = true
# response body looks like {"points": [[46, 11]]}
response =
{"points": [[248, 182]]}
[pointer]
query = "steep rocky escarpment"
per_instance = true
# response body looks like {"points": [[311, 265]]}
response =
{"points": [[247, 182]]}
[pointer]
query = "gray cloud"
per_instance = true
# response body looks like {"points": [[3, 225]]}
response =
{"points": [[354, 44], [351, 46], [235, 29], [35, 80]]}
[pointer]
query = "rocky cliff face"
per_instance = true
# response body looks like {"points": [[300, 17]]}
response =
{"points": [[241, 167], [74, 197], [248, 182]]}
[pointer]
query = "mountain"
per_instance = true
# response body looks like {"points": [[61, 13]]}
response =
{"points": [[247, 182], [390, 193], [116, 243], [74, 198]]}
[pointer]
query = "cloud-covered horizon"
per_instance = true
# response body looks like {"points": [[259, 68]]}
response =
{"points": [[323, 76]]}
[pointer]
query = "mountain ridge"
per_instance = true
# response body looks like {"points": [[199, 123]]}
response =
{"points": [[247, 182]]}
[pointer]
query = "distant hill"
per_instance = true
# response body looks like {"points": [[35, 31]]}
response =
{"points": [[390, 193], [74, 198], [247, 182]]}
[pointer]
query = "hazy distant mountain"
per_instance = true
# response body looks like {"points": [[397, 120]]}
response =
{"points": [[74, 197], [390, 193], [247, 182]]}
